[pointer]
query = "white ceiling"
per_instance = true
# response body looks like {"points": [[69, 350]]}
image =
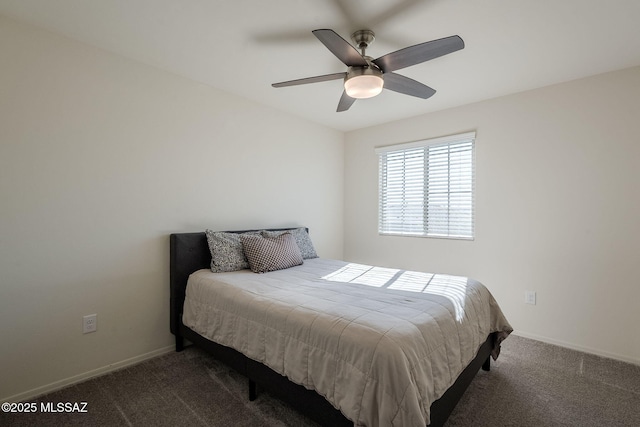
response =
{"points": [[242, 46]]}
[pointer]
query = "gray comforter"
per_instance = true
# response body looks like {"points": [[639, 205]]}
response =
{"points": [[380, 344]]}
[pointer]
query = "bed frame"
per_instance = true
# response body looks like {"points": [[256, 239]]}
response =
{"points": [[189, 252]]}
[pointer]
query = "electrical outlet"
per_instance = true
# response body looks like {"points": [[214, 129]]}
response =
{"points": [[89, 323], [530, 297]]}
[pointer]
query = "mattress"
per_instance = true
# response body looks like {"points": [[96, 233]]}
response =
{"points": [[380, 344]]}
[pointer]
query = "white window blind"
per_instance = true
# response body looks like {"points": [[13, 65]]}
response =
{"points": [[427, 187]]}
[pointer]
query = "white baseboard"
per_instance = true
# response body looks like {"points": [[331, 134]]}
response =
{"points": [[578, 347], [57, 385]]}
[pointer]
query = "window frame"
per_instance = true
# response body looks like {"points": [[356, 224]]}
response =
{"points": [[424, 230]]}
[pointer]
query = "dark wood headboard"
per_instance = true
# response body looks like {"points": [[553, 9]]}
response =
{"points": [[189, 252]]}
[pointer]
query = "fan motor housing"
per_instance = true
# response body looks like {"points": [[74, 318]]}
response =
{"points": [[371, 70]]}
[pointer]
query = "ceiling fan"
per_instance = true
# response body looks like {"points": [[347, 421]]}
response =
{"points": [[366, 77]]}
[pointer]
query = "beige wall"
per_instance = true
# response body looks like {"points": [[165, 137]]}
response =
{"points": [[100, 159], [557, 208]]}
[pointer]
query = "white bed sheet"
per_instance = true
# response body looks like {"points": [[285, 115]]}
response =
{"points": [[380, 344]]}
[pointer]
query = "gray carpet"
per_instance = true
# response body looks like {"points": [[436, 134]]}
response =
{"points": [[531, 384]]}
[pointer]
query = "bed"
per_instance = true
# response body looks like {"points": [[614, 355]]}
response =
{"points": [[318, 383]]}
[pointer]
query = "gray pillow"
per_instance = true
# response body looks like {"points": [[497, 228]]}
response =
{"points": [[226, 251], [271, 253], [302, 240]]}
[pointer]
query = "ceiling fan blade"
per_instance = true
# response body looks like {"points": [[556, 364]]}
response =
{"points": [[345, 102], [340, 48], [418, 53], [316, 79], [407, 86]]}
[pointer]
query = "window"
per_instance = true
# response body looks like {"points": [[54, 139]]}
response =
{"points": [[427, 187]]}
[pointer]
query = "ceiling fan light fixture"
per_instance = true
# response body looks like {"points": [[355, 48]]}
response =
{"points": [[362, 83]]}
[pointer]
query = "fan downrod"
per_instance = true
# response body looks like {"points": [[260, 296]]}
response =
{"points": [[363, 39]]}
